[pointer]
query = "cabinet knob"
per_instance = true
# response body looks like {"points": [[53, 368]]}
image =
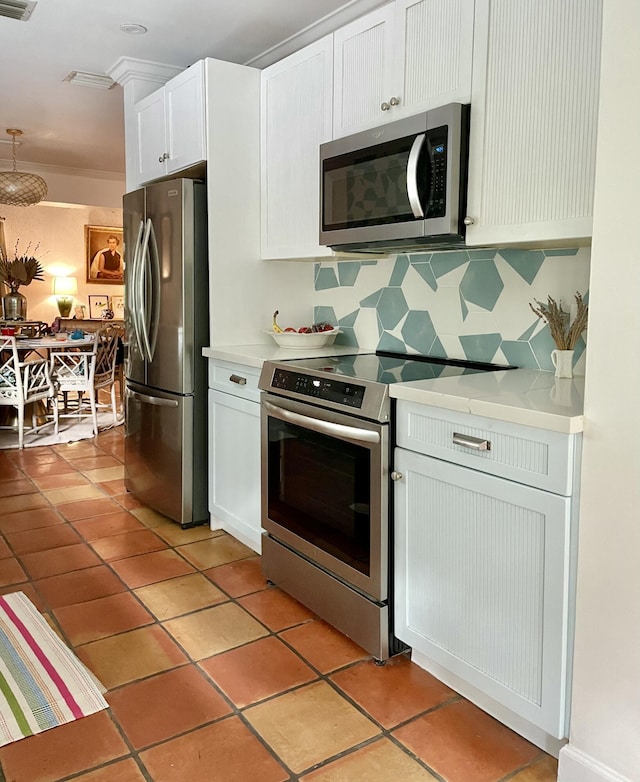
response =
{"points": [[385, 106], [394, 101], [468, 221], [163, 157], [396, 476]]}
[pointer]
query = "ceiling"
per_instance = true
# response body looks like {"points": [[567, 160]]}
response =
{"points": [[81, 127]]}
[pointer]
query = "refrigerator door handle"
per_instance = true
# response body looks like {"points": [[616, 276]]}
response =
{"points": [[151, 400], [141, 280], [154, 262], [133, 291]]}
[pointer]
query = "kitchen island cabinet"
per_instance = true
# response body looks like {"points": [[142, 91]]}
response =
{"points": [[536, 73], [485, 540], [404, 58]]}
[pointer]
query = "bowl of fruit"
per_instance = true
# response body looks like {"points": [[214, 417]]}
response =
{"points": [[318, 335]]}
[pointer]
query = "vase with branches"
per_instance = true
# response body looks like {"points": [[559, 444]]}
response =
{"points": [[15, 272], [564, 331]]}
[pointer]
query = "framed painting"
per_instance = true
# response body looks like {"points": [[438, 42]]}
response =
{"points": [[104, 254], [97, 304], [117, 305]]}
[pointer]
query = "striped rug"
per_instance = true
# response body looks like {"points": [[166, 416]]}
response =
{"points": [[42, 682]]}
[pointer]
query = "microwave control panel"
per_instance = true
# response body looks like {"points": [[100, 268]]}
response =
{"points": [[437, 198]]}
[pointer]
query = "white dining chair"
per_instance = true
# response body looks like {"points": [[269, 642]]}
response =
{"points": [[72, 371], [87, 372], [23, 383]]}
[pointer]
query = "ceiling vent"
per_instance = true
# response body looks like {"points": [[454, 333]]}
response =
{"points": [[83, 79], [17, 9]]}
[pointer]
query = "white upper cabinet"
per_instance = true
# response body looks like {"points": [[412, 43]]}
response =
{"points": [[533, 121], [170, 126], [296, 107], [403, 58]]}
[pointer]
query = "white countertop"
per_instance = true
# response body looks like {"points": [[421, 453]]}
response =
{"points": [[256, 355], [520, 396]]}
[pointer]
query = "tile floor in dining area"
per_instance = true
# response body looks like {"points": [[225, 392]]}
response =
{"points": [[211, 674]]}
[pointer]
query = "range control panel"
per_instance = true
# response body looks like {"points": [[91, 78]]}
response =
{"points": [[350, 394]]}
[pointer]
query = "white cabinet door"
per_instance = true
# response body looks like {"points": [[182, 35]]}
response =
{"points": [[363, 73], [234, 466], [533, 121], [406, 57], [151, 137], [185, 118], [170, 126], [434, 46], [481, 583], [296, 107]]}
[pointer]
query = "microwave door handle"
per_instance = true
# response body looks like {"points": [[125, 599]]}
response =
{"points": [[323, 427], [412, 175]]}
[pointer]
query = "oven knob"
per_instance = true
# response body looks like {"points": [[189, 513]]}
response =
{"points": [[396, 476]]}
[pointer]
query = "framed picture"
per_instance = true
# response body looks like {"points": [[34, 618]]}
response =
{"points": [[117, 305], [97, 304], [104, 254]]}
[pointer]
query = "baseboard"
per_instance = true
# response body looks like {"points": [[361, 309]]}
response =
{"points": [[576, 766]]}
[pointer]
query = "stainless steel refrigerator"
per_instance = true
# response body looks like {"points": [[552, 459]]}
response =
{"points": [[167, 323]]}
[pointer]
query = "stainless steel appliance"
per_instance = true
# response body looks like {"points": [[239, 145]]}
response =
{"points": [[400, 186], [167, 324], [326, 461]]}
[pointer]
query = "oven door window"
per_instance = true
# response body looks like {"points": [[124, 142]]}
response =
{"points": [[319, 488]]}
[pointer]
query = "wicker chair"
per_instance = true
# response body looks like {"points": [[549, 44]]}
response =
{"points": [[106, 371], [24, 382]]}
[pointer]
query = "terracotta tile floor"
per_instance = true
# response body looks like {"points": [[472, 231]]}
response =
{"points": [[212, 675]]}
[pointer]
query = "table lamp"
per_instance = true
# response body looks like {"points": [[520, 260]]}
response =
{"points": [[64, 289]]}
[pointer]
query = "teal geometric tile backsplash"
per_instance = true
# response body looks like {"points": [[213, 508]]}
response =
{"points": [[471, 304]]}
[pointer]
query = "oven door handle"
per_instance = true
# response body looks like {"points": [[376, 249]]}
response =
{"points": [[323, 427]]}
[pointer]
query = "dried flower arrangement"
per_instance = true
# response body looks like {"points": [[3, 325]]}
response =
{"points": [[21, 269], [565, 334]]}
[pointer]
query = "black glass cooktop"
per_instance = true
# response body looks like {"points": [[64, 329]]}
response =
{"points": [[359, 383], [387, 368]]}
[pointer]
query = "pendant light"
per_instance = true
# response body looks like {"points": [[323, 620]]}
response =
{"points": [[18, 188]]}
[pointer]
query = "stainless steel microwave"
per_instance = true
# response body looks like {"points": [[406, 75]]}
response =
{"points": [[398, 187]]}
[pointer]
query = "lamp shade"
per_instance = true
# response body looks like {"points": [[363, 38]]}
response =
{"points": [[18, 188], [65, 286]]}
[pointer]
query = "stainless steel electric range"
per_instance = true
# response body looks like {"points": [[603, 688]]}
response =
{"points": [[326, 500]]}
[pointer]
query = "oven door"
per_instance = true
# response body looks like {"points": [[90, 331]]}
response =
{"points": [[324, 490]]}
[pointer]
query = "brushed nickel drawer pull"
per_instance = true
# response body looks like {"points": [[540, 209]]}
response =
{"points": [[475, 443], [241, 381]]}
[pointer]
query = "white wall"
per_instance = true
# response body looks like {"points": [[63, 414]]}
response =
{"points": [[605, 724], [59, 230]]}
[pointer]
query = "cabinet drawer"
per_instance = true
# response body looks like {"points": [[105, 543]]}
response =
{"points": [[535, 457], [237, 379]]}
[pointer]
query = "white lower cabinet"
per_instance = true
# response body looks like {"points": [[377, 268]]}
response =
{"points": [[234, 452], [483, 574]]}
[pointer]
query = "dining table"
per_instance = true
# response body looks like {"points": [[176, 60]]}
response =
{"points": [[42, 345]]}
